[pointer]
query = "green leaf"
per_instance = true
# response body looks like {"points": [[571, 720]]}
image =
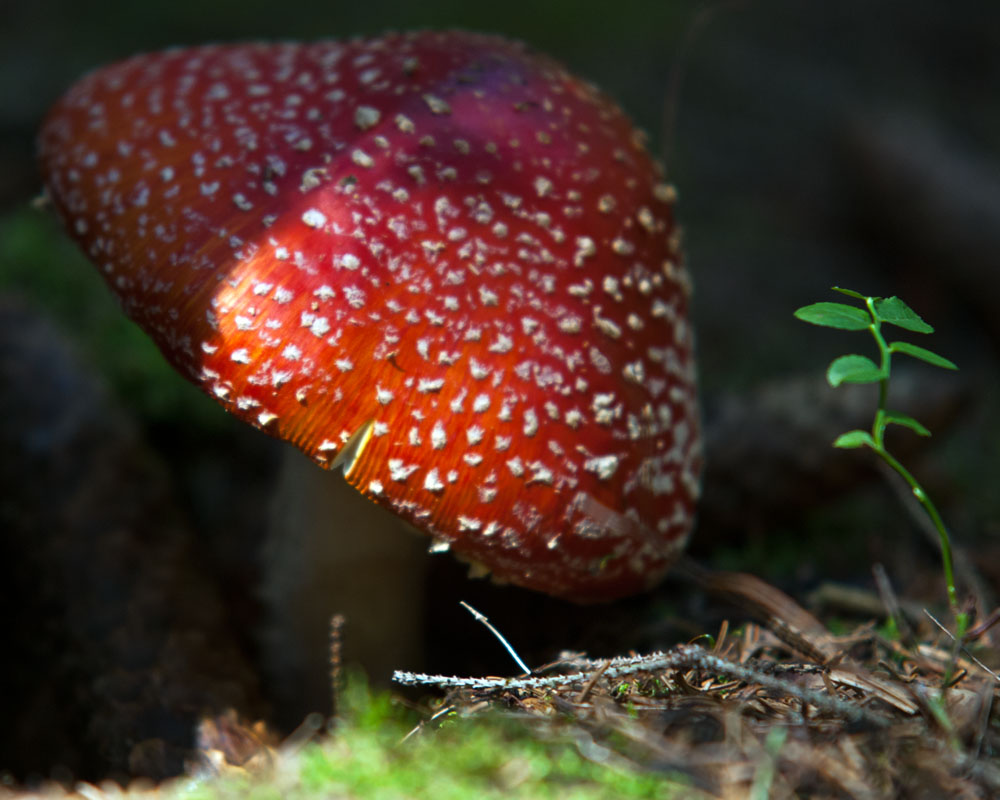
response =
{"points": [[892, 418], [922, 354], [853, 439], [849, 293], [835, 315], [853, 369], [896, 312]]}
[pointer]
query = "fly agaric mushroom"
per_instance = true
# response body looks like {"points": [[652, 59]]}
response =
{"points": [[437, 261]]}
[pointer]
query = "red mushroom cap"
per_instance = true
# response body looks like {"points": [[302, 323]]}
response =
{"points": [[436, 259]]}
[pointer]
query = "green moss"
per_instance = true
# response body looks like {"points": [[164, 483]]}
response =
{"points": [[495, 756]]}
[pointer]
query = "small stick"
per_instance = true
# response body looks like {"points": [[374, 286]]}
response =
{"points": [[985, 711], [680, 657], [974, 633], [420, 725], [720, 639], [482, 618], [336, 660], [962, 647], [588, 687], [891, 604]]}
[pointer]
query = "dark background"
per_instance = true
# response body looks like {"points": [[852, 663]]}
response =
{"points": [[771, 106], [853, 143]]}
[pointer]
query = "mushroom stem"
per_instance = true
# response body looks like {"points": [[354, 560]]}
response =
{"points": [[330, 550]]}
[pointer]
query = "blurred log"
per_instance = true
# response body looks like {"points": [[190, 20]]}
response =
{"points": [[768, 451], [115, 641]]}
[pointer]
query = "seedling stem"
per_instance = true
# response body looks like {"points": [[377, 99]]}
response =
{"points": [[860, 369]]}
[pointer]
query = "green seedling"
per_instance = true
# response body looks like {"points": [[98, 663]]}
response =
{"points": [[875, 313]]}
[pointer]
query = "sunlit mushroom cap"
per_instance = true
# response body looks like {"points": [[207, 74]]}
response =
{"points": [[437, 260]]}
